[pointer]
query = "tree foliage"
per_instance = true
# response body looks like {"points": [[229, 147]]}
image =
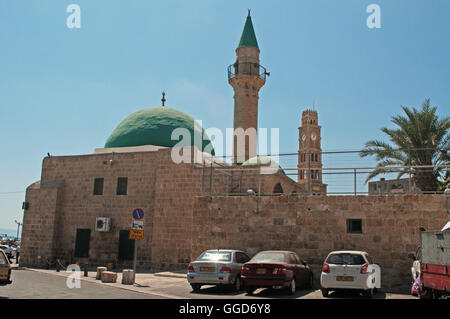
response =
{"points": [[420, 139]]}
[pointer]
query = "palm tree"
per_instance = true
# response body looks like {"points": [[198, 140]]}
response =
{"points": [[420, 139]]}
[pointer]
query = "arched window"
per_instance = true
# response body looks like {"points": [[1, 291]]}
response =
{"points": [[278, 189]]}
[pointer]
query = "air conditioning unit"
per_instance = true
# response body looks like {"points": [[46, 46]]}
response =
{"points": [[102, 224]]}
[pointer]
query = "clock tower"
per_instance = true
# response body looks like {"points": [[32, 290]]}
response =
{"points": [[310, 154]]}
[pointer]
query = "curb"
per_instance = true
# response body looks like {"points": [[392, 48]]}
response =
{"points": [[170, 274]]}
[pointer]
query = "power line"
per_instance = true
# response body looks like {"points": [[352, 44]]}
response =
{"points": [[16, 192]]}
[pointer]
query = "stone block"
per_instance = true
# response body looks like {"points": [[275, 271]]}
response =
{"points": [[128, 277], [109, 276], [99, 272]]}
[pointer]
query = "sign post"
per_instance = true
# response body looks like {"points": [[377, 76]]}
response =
{"points": [[137, 232], [135, 256]]}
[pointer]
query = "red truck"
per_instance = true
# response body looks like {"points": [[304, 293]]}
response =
{"points": [[435, 264]]}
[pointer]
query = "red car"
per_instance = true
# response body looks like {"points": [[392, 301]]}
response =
{"points": [[276, 269]]}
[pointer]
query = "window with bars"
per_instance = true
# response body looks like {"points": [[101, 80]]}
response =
{"points": [[122, 183], [98, 186]]}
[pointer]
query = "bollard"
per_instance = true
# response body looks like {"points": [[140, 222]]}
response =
{"points": [[85, 270], [109, 276], [128, 277], [99, 272]]}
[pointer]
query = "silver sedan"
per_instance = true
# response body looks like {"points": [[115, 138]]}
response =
{"points": [[217, 267]]}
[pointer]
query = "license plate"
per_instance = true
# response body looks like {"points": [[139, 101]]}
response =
{"points": [[345, 278], [261, 271], [207, 269]]}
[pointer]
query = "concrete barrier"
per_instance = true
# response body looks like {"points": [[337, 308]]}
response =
{"points": [[128, 277], [109, 276], [99, 272]]}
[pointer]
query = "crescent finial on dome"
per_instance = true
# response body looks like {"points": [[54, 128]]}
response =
{"points": [[163, 98]]}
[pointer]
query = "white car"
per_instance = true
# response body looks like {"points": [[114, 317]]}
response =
{"points": [[348, 269], [8, 251]]}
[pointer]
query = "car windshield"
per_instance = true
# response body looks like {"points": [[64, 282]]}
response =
{"points": [[2, 259], [214, 256], [269, 258], [345, 259]]}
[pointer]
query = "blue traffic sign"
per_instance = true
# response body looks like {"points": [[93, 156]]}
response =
{"points": [[138, 213]]}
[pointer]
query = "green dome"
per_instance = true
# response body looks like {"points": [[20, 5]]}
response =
{"points": [[154, 126], [260, 160]]}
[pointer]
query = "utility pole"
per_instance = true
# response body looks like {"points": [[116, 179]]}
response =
{"points": [[135, 255], [18, 227]]}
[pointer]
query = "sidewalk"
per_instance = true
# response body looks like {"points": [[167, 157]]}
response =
{"points": [[144, 282]]}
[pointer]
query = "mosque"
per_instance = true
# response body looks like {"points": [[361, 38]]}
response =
{"points": [[82, 207]]}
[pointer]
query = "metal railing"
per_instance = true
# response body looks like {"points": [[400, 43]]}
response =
{"points": [[247, 68], [344, 173]]}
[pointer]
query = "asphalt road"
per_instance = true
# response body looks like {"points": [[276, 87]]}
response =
{"points": [[29, 284], [39, 285]]}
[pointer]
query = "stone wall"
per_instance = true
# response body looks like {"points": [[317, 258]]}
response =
{"points": [[38, 242], [176, 188], [63, 201], [54, 214], [313, 226], [181, 222]]}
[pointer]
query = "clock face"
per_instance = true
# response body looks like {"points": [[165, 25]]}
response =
{"points": [[313, 136], [303, 137]]}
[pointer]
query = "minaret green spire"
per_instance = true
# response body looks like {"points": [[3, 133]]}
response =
{"points": [[248, 38]]}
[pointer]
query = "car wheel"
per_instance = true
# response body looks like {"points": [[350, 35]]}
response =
{"points": [[292, 287], [237, 284], [310, 282], [196, 287], [250, 290], [368, 293], [425, 293], [324, 292]]}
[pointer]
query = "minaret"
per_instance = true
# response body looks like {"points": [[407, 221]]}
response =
{"points": [[246, 77], [310, 153]]}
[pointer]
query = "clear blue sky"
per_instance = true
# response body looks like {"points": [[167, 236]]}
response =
{"points": [[64, 90]]}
